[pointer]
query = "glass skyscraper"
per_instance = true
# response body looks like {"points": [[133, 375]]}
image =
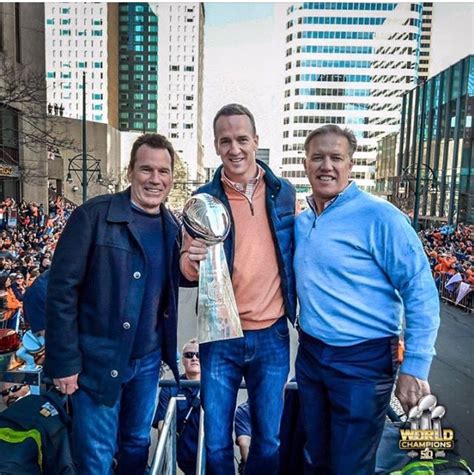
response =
{"points": [[431, 164], [138, 67], [347, 64]]}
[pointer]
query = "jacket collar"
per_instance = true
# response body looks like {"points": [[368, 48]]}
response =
{"points": [[120, 210], [270, 179]]}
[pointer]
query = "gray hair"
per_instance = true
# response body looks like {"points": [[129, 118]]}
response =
{"points": [[333, 129]]}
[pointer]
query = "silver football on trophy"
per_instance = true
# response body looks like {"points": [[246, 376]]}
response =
{"points": [[205, 217]]}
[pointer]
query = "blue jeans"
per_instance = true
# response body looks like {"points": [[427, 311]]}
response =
{"points": [[100, 432], [262, 358], [344, 394]]}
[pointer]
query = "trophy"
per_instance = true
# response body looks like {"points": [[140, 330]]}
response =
{"points": [[206, 217]]}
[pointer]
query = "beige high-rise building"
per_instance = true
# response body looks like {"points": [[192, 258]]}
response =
{"points": [[180, 80], [83, 38]]}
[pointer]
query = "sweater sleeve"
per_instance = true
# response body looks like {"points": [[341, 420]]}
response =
{"points": [[400, 254]]}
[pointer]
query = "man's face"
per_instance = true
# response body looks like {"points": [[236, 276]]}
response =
{"points": [[236, 144], [151, 178], [328, 166], [191, 365]]}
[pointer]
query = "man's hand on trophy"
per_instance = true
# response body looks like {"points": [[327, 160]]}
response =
{"points": [[197, 251]]}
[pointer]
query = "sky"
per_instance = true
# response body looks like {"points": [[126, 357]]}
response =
{"points": [[241, 64]]}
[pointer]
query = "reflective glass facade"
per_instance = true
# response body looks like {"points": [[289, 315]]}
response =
{"points": [[435, 148], [138, 68]]}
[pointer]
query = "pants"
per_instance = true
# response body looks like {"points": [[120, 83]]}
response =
{"points": [[344, 394], [262, 358], [100, 432]]}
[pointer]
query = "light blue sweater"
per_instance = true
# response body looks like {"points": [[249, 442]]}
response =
{"points": [[360, 268]]}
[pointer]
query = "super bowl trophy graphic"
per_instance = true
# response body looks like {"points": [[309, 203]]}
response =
{"points": [[206, 217]]}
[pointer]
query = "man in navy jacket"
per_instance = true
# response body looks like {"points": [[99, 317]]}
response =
{"points": [[111, 312]]}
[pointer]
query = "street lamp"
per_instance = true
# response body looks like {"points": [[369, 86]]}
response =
{"points": [[427, 183], [84, 170]]}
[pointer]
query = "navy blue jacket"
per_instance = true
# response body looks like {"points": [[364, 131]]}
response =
{"points": [[96, 287], [280, 197], [34, 303]]}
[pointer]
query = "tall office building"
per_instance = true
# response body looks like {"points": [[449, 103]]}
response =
{"points": [[138, 65], [144, 65], [346, 64], [425, 41], [81, 37], [180, 80]]}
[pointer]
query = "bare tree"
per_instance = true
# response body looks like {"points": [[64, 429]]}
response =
{"points": [[23, 92], [181, 190]]}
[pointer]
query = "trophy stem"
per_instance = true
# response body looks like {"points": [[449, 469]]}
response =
{"points": [[218, 316]]}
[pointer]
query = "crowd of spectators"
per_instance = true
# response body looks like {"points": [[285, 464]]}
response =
{"points": [[449, 250], [28, 236], [29, 233]]}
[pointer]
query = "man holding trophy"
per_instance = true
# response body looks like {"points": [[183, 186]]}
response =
{"points": [[246, 291]]}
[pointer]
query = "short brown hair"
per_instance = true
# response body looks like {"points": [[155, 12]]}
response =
{"points": [[153, 141], [235, 109], [333, 129]]}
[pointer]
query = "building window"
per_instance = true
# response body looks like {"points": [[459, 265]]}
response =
{"points": [[17, 33]]}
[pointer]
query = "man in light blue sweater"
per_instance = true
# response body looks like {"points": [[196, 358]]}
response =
{"points": [[361, 273]]}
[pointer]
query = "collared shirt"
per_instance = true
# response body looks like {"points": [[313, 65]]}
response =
{"points": [[249, 189], [312, 203]]}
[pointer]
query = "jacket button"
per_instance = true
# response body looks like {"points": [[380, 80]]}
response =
{"points": [[126, 325], [114, 373], [136, 275]]}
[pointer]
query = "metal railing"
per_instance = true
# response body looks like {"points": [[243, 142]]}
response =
{"points": [[164, 458], [467, 303], [201, 455]]}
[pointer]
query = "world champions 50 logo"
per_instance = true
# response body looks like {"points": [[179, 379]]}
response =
{"points": [[426, 433]]}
